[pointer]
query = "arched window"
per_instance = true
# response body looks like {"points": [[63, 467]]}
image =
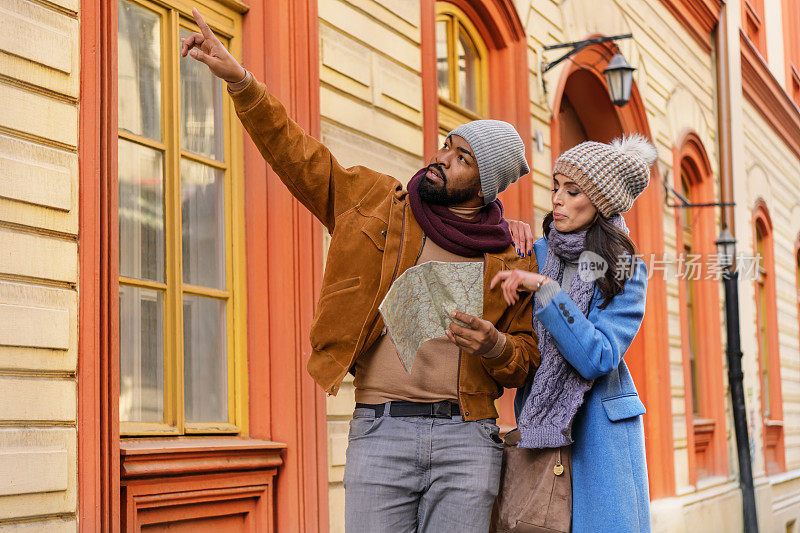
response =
{"points": [[461, 67], [701, 328], [767, 332]]}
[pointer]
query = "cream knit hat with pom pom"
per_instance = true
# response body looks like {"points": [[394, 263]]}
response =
{"points": [[612, 175]]}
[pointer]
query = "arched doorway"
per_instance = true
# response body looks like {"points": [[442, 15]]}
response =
{"points": [[583, 111], [578, 122]]}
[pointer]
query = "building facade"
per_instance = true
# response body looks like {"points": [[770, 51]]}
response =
{"points": [[157, 281]]}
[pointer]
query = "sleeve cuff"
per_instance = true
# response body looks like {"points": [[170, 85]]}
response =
{"points": [[234, 88], [547, 291], [498, 347], [248, 96]]}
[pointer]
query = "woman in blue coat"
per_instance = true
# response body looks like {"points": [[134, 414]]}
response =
{"points": [[589, 305]]}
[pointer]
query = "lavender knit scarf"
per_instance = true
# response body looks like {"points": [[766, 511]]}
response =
{"points": [[557, 390]]}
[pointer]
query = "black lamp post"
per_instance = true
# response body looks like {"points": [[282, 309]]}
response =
{"points": [[619, 75], [726, 250]]}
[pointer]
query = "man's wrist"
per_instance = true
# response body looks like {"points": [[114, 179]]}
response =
{"points": [[497, 349], [241, 84]]}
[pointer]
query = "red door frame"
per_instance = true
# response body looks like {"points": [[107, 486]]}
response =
{"points": [[283, 278], [284, 270], [98, 373], [96, 497], [648, 356]]}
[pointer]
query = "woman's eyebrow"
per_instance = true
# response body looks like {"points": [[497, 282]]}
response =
{"points": [[565, 183]]}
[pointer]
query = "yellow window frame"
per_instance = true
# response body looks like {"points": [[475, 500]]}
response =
{"points": [[225, 20], [451, 113]]}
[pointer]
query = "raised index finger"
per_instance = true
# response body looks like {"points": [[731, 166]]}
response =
{"points": [[204, 29], [500, 276]]}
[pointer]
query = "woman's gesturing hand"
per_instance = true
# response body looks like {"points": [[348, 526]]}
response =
{"points": [[206, 48], [514, 281], [522, 236]]}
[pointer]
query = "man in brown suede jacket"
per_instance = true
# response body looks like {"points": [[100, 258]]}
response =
{"points": [[424, 452]]}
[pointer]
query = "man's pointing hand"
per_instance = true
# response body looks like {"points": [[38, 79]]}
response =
{"points": [[206, 48]]}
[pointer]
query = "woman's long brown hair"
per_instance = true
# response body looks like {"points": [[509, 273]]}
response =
{"points": [[615, 247]]}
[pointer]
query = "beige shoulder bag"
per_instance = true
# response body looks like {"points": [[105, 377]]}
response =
{"points": [[535, 493]]}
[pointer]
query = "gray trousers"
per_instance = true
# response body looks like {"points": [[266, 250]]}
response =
{"points": [[415, 474]]}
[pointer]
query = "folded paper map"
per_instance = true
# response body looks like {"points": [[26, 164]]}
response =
{"points": [[418, 305]]}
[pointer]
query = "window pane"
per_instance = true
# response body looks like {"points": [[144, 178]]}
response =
{"points": [[203, 224], [442, 66], [205, 359], [141, 355], [141, 212], [691, 336], [201, 108], [139, 78], [467, 71]]}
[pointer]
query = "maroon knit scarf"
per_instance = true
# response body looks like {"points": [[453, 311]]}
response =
{"points": [[468, 237]]}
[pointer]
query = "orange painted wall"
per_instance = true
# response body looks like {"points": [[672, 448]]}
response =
{"points": [[753, 24], [284, 255], [791, 42]]}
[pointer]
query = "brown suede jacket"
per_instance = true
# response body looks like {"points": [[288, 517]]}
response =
{"points": [[374, 239]]}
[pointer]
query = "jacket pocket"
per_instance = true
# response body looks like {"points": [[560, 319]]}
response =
{"points": [[623, 406], [339, 286], [376, 229]]}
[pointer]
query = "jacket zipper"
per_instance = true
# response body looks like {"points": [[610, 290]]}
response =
{"points": [[424, 238]]}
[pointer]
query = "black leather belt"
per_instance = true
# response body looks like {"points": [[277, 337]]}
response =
{"points": [[399, 408]]}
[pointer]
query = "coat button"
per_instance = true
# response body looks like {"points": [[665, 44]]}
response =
{"points": [[570, 320], [466, 413], [561, 306], [566, 313]]}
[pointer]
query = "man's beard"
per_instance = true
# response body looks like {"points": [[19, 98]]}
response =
{"points": [[438, 194]]}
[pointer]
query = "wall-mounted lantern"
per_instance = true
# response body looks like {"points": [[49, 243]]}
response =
{"points": [[619, 74]]}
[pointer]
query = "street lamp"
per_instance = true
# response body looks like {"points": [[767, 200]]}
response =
{"points": [[726, 249], [619, 75]]}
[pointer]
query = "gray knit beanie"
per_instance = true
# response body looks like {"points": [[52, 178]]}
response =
{"points": [[499, 151], [611, 175]]}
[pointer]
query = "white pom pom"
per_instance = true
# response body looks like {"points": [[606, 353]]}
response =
{"points": [[637, 145]]}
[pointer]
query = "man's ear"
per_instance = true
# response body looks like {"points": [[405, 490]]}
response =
{"points": [[480, 193]]}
